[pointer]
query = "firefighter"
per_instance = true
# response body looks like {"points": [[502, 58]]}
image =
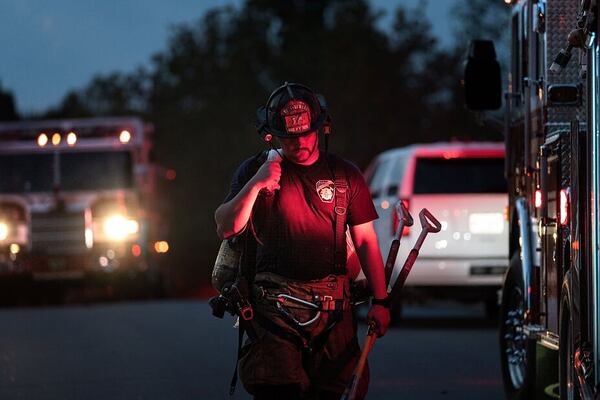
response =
{"points": [[297, 205]]}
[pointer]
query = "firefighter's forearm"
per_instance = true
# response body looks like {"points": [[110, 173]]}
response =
{"points": [[232, 217], [372, 264]]}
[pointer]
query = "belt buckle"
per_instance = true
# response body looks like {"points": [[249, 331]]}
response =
{"points": [[328, 303]]}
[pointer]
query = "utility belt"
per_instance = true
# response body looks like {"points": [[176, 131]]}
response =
{"points": [[328, 294], [301, 311]]}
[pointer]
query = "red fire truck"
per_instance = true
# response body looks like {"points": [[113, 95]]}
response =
{"points": [[81, 204]]}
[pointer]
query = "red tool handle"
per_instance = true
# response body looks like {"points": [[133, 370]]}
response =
{"points": [[352, 387], [408, 264], [391, 260]]}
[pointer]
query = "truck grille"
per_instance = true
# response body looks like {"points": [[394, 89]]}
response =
{"points": [[58, 233]]}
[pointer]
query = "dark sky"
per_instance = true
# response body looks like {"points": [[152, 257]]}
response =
{"points": [[50, 47]]}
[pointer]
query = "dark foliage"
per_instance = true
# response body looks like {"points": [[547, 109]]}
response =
{"points": [[384, 89], [8, 111]]}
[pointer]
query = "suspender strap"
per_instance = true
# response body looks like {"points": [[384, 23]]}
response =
{"points": [[341, 204]]}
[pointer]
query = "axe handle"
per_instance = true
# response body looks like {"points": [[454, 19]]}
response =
{"points": [[408, 264], [391, 260], [351, 388]]}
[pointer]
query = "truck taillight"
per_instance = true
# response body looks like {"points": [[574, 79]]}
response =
{"points": [[406, 229], [563, 213], [538, 198]]}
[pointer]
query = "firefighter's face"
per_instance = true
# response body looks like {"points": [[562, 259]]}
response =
{"points": [[301, 150]]}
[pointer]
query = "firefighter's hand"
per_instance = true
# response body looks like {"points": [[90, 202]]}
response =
{"points": [[380, 316], [268, 175]]}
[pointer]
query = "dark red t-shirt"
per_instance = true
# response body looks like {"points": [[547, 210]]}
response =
{"points": [[296, 226]]}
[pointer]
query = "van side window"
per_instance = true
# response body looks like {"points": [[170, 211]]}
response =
{"points": [[396, 176], [377, 178]]}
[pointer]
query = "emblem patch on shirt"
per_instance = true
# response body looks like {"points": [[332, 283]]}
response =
{"points": [[325, 190]]}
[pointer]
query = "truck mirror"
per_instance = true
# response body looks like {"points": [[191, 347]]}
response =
{"points": [[564, 95], [483, 84]]}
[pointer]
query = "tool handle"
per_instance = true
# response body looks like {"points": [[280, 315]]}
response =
{"points": [[429, 223], [408, 264], [404, 214], [391, 260], [350, 391]]}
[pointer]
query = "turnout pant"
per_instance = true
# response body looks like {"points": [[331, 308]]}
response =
{"points": [[315, 359]]}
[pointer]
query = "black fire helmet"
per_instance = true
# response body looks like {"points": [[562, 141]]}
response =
{"points": [[292, 110]]}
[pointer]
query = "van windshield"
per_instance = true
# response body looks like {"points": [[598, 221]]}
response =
{"points": [[459, 175]]}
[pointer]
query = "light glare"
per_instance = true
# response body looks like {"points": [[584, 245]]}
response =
{"points": [[161, 246], [71, 139], [132, 226], [56, 139], [116, 228], [125, 136], [14, 248], [3, 231], [42, 139]]}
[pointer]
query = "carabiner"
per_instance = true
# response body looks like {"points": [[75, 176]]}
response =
{"points": [[297, 300]]}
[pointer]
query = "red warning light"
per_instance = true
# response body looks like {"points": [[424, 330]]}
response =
{"points": [[171, 174], [538, 198], [136, 250], [563, 213]]}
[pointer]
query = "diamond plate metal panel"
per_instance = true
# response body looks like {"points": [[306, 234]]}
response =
{"points": [[561, 18]]}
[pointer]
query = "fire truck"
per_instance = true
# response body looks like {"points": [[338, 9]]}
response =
{"points": [[550, 311], [81, 205]]}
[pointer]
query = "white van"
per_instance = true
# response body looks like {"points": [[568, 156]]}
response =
{"points": [[463, 186]]}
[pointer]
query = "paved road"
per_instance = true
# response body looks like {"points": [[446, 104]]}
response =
{"points": [[176, 350]]}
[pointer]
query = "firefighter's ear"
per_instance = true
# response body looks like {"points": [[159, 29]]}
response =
{"points": [[261, 124]]}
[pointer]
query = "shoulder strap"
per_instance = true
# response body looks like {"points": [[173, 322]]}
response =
{"points": [[340, 214]]}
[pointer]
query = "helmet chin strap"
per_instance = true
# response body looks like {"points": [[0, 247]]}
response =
{"points": [[272, 146], [315, 146]]}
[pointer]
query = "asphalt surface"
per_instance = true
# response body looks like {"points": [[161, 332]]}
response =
{"points": [[177, 350]]}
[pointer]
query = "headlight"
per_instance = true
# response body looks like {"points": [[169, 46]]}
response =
{"points": [[117, 227], [3, 230]]}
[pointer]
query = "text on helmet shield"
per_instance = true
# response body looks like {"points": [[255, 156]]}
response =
{"points": [[297, 116]]}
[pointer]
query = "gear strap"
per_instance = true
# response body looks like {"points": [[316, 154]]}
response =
{"points": [[339, 216], [234, 378]]}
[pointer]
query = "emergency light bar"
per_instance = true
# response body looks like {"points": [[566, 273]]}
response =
{"points": [[61, 132]]}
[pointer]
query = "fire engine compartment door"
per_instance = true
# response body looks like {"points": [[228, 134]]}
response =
{"points": [[550, 257]]}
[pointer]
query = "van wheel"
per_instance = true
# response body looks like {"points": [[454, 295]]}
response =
{"points": [[396, 312], [566, 369], [517, 352]]}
